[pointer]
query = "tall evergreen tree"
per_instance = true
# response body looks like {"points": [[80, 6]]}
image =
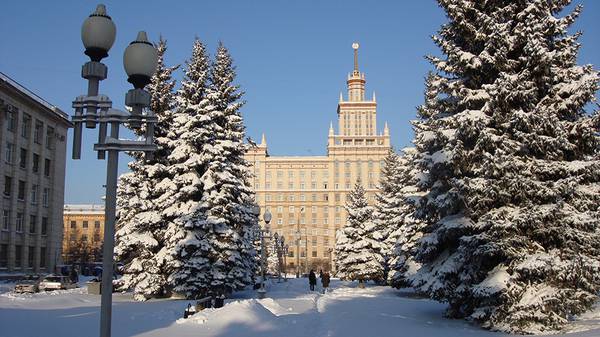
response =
{"points": [[510, 154], [188, 248], [403, 241], [357, 253], [387, 208], [140, 225], [228, 200]]}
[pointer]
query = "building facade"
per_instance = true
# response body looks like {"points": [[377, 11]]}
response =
{"points": [[33, 137], [83, 228], [306, 195]]}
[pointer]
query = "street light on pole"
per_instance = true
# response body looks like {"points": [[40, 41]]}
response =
{"points": [[264, 234], [140, 60]]}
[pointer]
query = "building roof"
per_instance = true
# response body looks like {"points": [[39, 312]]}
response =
{"points": [[83, 209], [34, 97]]}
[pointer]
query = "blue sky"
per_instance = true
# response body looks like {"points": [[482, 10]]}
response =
{"points": [[292, 59]]}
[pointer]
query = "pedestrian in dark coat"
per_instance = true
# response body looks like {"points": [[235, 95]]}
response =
{"points": [[325, 280], [312, 280]]}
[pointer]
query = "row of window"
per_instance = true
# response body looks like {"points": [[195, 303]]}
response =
{"points": [[290, 186], [303, 254], [9, 157], [26, 129], [20, 223], [33, 193], [302, 221], [302, 209], [84, 224], [19, 256], [84, 237]]}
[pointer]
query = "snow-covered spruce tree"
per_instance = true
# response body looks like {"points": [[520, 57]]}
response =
{"points": [[140, 226], [387, 208], [407, 231], [188, 245], [512, 168], [357, 253], [228, 200]]}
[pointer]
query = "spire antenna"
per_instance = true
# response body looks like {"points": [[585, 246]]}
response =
{"points": [[355, 47]]}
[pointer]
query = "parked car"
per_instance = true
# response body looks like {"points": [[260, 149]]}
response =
{"points": [[27, 286], [56, 282]]}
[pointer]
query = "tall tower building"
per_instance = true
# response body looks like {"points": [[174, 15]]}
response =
{"points": [[306, 194]]}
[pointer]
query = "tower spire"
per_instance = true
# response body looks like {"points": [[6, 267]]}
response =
{"points": [[355, 47], [356, 81]]}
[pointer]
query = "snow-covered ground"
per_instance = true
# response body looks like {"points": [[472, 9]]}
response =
{"points": [[290, 310]]}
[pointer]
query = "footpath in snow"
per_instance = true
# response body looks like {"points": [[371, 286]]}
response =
{"points": [[290, 310]]}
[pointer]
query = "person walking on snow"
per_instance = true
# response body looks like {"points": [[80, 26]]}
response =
{"points": [[325, 281], [312, 280]]}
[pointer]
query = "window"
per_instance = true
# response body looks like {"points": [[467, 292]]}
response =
{"points": [[34, 192], [72, 237], [5, 219], [11, 122], [291, 186], [292, 219], [325, 231], [47, 167], [291, 174], [35, 165], [292, 209], [326, 242], [325, 210], [85, 224], [97, 237], [313, 185], [30, 256], [292, 197], [324, 186], [46, 197], [279, 185], [44, 226], [3, 256], [279, 209], [84, 237], [23, 158], [302, 186], [313, 197], [268, 197], [291, 254], [338, 221], [301, 174], [21, 190], [313, 221], [337, 197], [38, 131], [26, 126], [9, 152], [19, 227], [313, 209], [279, 221], [7, 186], [97, 224], [73, 224], [32, 223], [325, 197], [279, 174], [325, 221], [42, 257], [302, 197], [314, 241], [314, 253], [18, 256], [302, 221], [302, 253], [49, 138]]}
